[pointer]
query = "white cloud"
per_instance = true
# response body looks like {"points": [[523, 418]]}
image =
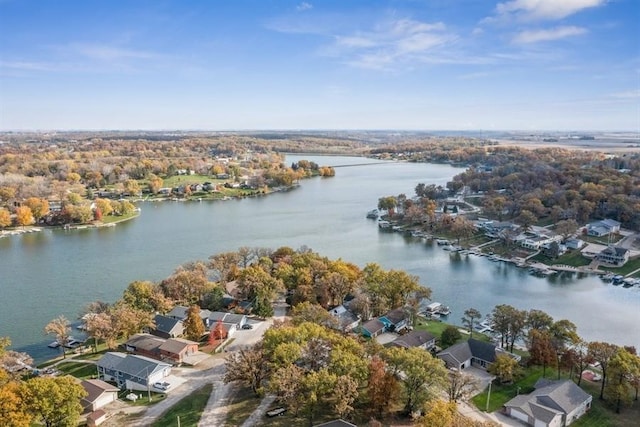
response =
{"points": [[304, 6], [391, 44], [103, 52], [544, 9], [535, 36]]}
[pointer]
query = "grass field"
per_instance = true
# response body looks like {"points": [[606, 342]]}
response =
{"points": [[188, 409], [243, 403], [78, 369]]}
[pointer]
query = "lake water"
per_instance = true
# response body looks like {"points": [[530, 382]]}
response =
{"points": [[43, 275]]}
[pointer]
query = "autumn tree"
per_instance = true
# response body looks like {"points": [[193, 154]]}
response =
{"points": [[623, 367], [104, 205], [5, 218], [505, 368], [155, 184], [24, 216], [100, 327], [469, 319], [388, 204], [39, 207], [602, 352], [193, 325], [383, 388], [563, 334], [54, 401], [541, 349], [146, 296], [248, 367], [61, 329], [422, 376], [13, 409], [129, 320], [223, 264]]}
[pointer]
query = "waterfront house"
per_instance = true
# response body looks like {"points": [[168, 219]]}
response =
{"points": [[177, 350], [574, 243], [346, 320], [614, 255], [603, 228], [419, 339], [167, 327], [130, 371], [552, 403], [472, 353], [144, 345], [395, 320], [372, 328], [99, 394]]}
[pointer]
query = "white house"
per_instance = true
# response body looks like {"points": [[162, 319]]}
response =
{"points": [[99, 394], [551, 404]]}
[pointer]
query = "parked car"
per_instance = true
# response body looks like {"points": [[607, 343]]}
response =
{"points": [[162, 385], [247, 326], [276, 412]]}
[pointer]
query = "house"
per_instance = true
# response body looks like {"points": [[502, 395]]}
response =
{"points": [[167, 327], [420, 339], [603, 228], [144, 345], [552, 403], [180, 312], [177, 349], [395, 320], [99, 394], [347, 321], [173, 350], [574, 243], [472, 353], [614, 255], [237, 320], [372, 328], [130, 371]]}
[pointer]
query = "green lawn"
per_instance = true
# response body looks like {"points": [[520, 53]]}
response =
{"points": [[500, 394], [631, 265], [107, 219], [436, 327], [188, 409], [572, 258], [600, 415], [78, 369]]}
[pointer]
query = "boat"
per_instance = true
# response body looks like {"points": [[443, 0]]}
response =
{"points": [[54, 344], [373, 214], [384, 225], [442, 242], [436, 309]]}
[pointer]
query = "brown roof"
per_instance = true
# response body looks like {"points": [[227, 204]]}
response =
{"points": [[95, 389], [176, 345]]}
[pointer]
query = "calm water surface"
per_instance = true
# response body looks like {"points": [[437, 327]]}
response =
{"points": [[43, 275]]}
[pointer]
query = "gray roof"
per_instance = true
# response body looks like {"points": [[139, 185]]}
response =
{"points": [[134, 365], [396, 316], [413, 339], [180, 312], [373, 325], [457, 354], [549, 399], [146, 342], [111, 359], [169, 325], [226, 317]]}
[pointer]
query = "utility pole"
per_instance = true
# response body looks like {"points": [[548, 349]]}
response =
{"points": [[489, 394]]}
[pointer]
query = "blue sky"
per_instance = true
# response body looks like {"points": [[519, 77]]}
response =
{"points": [[342, 64]]}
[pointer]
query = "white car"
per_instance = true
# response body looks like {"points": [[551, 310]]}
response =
{"points": [[162, 385]]}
